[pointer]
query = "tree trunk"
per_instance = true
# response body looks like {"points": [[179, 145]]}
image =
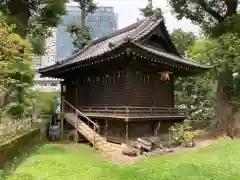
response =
{"points": [[20, 10], [83, 17], [225, 122]]}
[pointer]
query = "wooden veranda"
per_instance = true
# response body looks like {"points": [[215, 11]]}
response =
{"points": [[128, 113]]}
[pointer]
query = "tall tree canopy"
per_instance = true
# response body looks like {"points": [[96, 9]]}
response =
{"points": [[219, 19], [216, 17], [195, 93], [17, 71], [149, 10], [34, 18], [183, 40], [33, 13]]}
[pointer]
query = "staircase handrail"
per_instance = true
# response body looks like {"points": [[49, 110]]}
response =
{"points": [[79, 112]]}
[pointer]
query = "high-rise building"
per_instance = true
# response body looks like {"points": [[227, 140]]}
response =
{"points": [[49, 58], [102, 22]]}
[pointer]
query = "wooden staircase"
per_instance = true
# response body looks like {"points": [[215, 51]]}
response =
{"points": [[91, 134]]}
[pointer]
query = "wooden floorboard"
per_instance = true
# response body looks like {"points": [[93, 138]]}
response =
{"points": [[134, 118]]}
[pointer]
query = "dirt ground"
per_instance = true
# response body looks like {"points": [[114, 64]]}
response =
{"points": [[116, 156]]}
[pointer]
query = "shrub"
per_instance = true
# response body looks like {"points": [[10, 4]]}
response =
{"points": [[46, 102], [17, 70], [181, 135], [188, 137]]}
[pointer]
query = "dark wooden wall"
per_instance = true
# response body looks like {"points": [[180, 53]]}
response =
{"points": [[140, 129], [116, 131], [70, 91], [148, 90], [105, 90], [127, 87]]}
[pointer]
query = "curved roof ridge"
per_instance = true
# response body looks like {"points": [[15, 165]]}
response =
{"points": [[180, 59], [140, 28], [153, 24], [115, 33]]}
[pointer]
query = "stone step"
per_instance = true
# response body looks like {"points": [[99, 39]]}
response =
{"points": [[89, 134]]}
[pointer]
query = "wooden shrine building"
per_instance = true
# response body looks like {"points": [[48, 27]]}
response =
{"points": [[125, 81]]}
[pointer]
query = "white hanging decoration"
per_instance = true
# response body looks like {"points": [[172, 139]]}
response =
{"points": [[165, 75], [64, 88], [128, 52], [148, 77], [89, 79], [97, 79]]}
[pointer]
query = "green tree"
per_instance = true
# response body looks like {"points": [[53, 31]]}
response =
{"points": [[217, 19], [183, 40], [81, 33], [149, 10], [17, 71], [34, 18], [81, 37], [214, 17], [195, 93]]}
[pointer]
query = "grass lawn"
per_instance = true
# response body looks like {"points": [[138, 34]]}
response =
{"points": [[53, 162]]}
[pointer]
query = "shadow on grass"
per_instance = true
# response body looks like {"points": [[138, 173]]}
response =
{"points": [[11, 166]]}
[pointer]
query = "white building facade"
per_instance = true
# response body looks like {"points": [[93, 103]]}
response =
{"points": [[49, 58]]}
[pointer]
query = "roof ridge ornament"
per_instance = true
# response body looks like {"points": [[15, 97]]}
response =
{"points": [[165, 75], [128, 52], [154, 17], [127, 39], [111, 45]]}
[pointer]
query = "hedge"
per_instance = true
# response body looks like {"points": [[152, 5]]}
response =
{"points": [[45, 102]]}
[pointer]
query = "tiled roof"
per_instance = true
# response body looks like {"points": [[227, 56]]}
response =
{"points": [[132, 34], [100, 46]]}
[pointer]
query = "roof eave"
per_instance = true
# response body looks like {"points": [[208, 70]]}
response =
{"points": [[187, 62]]}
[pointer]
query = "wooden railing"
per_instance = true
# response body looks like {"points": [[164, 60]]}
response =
{"points": [[89, 122], [128, 111]]}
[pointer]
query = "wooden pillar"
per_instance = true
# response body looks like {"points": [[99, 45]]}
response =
{"points": [[62, 110], [106, 122], [94, 129], [76, 93], [106, 128], [157, 128], [127, 114], [127, 132], [76, 113], [76, 132]]}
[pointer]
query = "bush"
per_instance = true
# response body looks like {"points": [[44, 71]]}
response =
{"points": [[181, 135], [188, 138], [46, 102]]}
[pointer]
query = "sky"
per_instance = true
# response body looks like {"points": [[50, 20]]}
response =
{"points": [[128, 12]]}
